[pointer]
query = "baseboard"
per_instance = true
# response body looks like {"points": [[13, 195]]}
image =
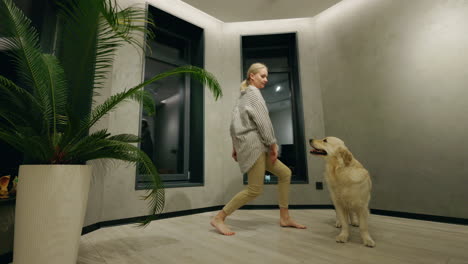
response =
{"points": [[432, 218], [426, 217], [294, 207], [133, 220]]}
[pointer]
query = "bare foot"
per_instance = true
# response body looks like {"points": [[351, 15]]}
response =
{"points": [[218, 223], [291, 223]]}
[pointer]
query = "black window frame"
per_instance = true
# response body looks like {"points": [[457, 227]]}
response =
{"points": [[170, 26], [270, 45]]}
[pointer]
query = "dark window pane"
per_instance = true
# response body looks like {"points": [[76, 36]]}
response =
{"points": [[170, 137], [168, 48], [282, 96], [167, 126], [277, 95], [272, 62]]}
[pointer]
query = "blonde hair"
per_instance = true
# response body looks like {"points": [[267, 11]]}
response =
{"points": [[254, 68]]}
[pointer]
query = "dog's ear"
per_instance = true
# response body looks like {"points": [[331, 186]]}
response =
{"points": [[346, 155]]}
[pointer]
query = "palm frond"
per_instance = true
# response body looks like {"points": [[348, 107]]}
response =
{"points": [[23, 42], [77, 54], [147, 101], [100, 146], [57, 93], [20, 107], [19, 96], [128, 138], [128, 24], [101, 110], [92, 145], [199, 74], [11, 138], [25, 51], [111, 103], [79, 151], [155, 187], [35, 150], [117, 27]]}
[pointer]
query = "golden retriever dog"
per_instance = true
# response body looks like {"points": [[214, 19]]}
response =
{"points": [[349, 184]]}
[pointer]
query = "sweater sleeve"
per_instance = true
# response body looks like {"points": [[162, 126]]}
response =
{"points": [[258, 112]]}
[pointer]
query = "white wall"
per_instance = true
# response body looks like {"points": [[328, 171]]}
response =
{"points": [[394, 80]]}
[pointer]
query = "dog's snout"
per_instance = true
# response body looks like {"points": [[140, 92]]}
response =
{"points": [[311, 142]]}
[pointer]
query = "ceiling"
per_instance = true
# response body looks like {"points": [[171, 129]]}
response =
{"points": [[250, 10]]}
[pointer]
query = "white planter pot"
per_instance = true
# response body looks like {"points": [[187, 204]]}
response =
{"points": [[50, 208]]}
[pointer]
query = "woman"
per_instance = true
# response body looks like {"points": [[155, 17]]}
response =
{"points": [[255, 149]]}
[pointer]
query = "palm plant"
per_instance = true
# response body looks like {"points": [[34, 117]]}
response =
{"points": [[47, 114]]}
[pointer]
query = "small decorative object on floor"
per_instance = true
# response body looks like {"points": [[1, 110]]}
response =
{"points": [[4, 181]]}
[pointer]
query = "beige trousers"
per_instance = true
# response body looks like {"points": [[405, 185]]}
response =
{"points": [[256, 175]]}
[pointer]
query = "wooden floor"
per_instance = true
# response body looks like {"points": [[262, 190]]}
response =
{"points": [[259, 239]]}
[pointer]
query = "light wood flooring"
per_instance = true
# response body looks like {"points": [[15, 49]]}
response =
{"points": [[259, 239]]}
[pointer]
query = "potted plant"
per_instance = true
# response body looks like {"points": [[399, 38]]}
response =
{"points": [[48, 113]]}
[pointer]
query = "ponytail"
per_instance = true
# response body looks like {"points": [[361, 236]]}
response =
{"points": [[244, 85]]}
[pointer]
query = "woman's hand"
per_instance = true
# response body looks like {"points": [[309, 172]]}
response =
{"points": [[273, 153], [234, 154]]}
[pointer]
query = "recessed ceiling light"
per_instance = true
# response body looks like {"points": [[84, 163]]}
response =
{"points": [[278, 88]]}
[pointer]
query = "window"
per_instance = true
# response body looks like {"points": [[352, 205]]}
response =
{"points": [[282, 95], [173, 137]]}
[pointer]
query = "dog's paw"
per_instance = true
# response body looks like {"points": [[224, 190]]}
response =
{"points": [[338, 224], [342, 238], [355, 223], [368, 242]]}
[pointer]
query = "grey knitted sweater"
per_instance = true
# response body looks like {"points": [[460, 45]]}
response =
{"points": [[251, 129]]}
